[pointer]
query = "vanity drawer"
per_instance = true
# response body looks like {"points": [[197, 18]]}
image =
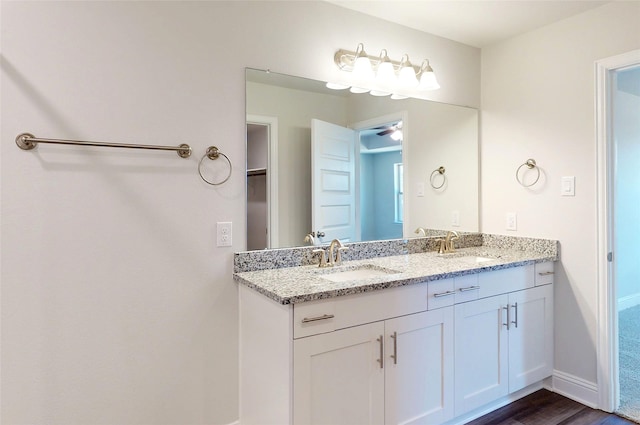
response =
{"points": [[321, 316], [441, 293], [467, 288], [544, 273], [505, 280]]}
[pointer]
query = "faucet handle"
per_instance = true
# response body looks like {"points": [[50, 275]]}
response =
{"points": [[323, 257], [441, 246], [339, 256]]}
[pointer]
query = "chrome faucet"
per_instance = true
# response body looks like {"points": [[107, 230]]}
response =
{"points": [[337, 260], [446, 245]]}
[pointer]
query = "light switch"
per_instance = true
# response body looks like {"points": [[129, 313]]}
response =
{"points": [[420, 189], [455, 218], [512, 221], [568, 186]]}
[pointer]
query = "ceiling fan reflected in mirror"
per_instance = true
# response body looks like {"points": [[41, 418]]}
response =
{"points": [[394, 130]]}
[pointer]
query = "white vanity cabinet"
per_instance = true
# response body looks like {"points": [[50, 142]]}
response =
{"points": [[415, 354], [503, 343], [336, 377], [397, 371]]}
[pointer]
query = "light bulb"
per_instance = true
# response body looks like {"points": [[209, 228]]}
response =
{"points": [[362, 69], [407, 75], [386, 73], [428, 79], [396, 135]]}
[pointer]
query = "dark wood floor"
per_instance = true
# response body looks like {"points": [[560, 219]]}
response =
{"points": [[546, 408]]}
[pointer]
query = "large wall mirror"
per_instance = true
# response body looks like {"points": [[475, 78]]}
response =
{"points": [[327, 163]]}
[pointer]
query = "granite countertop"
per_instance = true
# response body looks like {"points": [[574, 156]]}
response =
{"points": [[292, 285]]}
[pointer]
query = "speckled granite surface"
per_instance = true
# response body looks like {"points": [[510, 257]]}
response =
{"points": [[304, 256], [287, 285]]}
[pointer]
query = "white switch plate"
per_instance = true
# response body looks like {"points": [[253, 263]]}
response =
{"points": [[455, 218], [568, 186], [512, 221], [420, 189], [224, 233]]}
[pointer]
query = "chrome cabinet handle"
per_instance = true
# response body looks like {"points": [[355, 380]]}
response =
{"points": [[444, 294], [515, 322], [381, 359], [545, 273], [315, 319], [395, 348], [508, 317], [468, 288]]}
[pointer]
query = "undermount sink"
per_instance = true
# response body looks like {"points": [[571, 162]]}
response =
{"points": [[366, 271], [474, 259]]}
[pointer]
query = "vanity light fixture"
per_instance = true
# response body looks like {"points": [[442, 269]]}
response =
{"points": [[381, 76]]}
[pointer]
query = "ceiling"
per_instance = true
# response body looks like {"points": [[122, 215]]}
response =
{"points": [[477, 23]]}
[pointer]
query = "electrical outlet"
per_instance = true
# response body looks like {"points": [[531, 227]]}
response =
{"points": [[224, 233], [512, 221]]}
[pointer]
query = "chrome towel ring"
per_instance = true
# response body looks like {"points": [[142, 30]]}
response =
{"points": [[530, 164], [214, 153], [440, 171]]}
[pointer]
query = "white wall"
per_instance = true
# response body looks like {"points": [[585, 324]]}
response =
{"points": [[538, 102], [117, 307]]}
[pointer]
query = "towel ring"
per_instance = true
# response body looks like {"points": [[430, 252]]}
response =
{"points": [[440, 170], [214, 153], [531, 163]]}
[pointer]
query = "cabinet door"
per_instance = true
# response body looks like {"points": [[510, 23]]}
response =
{"points": [[530, 336], [419, 368], [481, 352], [338, 378]]}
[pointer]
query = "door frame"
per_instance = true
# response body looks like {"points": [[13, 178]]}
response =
{"points": [[272, 174], [607, 329]]}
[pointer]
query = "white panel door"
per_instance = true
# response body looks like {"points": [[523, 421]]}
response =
{"points": [[530, 336], [481, 352], [338, 378], [419, 368], [333, 150]]}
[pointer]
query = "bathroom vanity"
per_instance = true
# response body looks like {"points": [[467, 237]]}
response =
{"points": [[415, 338]]}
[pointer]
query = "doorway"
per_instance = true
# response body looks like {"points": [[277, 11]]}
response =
{"points": [[625, 106], [381, 181], [618, 137], [262, 182], [382, 177]]}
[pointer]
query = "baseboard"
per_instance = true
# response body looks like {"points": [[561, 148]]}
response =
{"points": [[575, 388], [628, 302], [235, 423]]}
